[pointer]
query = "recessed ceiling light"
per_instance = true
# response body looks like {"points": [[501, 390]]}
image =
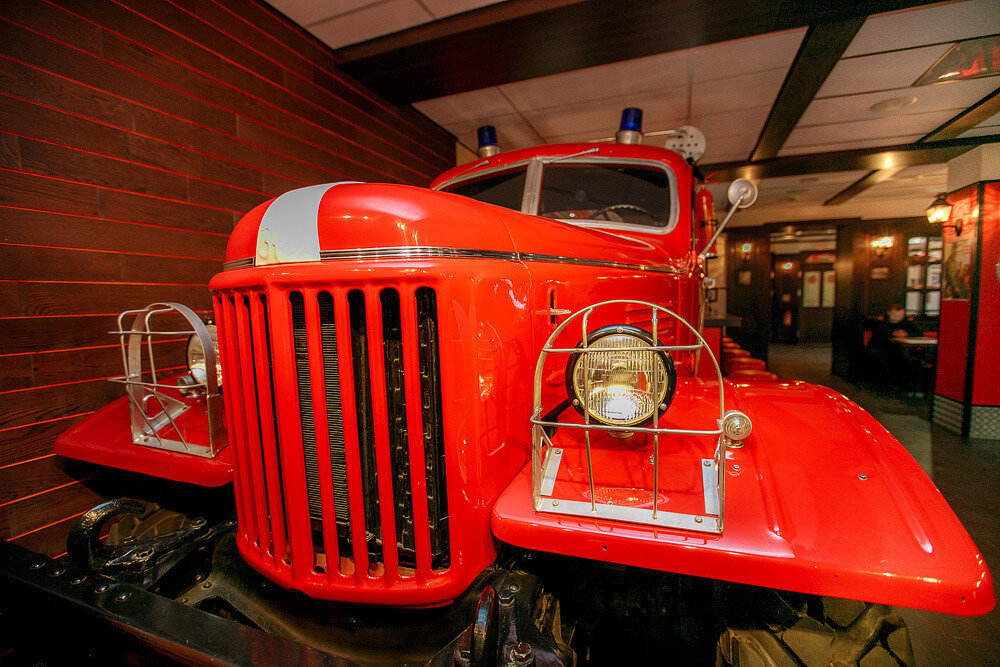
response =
{"points": [[893, 104]]}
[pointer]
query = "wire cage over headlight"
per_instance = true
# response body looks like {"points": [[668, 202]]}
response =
{"points": [[158, 408], [630, 372]]}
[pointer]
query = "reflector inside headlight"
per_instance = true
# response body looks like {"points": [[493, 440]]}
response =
{"points": [[621, 387], [196, 356]]}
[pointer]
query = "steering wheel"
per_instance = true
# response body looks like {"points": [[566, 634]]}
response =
{"points": [[628, 207]]}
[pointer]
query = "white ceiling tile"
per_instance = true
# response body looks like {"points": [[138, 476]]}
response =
{"points": [[741, 56], [849, 145], [441, 8], [307, 12], [954, 95], [894, 126], [739, 92], [992, 120], [476, 105], [881, 71], [926, 25], [980, 131], [616, 81], [371, 21]]}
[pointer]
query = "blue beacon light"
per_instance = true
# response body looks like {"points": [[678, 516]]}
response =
{"points": [[630, 130], [487, 135]]}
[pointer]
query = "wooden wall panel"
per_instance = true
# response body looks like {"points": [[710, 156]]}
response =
{"points": [[133, 135]]}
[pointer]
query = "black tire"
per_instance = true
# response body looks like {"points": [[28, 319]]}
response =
{"points": [[809, 630]]}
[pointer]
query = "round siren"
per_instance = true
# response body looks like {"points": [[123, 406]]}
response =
{"points": [[487, 136], [688, 142]]}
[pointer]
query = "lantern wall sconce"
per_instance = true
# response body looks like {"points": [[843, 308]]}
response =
{"points": [[881, 245], [939, 210], [745, 250]]}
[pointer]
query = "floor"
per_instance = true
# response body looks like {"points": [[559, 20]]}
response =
{"points": [[967, 471]]}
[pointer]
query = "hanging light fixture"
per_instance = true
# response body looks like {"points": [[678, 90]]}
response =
{"points": [[939, 211]]}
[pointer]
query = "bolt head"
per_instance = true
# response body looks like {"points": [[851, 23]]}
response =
{"points": [[736, 467], [698, 519], [102, 587], [207, 584], [862, 477], [707, 463], [521, 652], [124, 595], [78, 580], [555, 503]]}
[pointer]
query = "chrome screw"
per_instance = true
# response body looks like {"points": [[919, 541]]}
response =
{"points": [[698, 519], [513, 588], [57, 572], [207, 584], [78, 580], [736, 467], [557, 451], [37, 565], [862, 477], [102, 587], [708, 463], [555, 503], [124, 595]]}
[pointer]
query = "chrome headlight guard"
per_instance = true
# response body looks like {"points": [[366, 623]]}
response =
{"points": [[545, 456]]}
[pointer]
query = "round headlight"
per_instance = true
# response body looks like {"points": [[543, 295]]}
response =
{"points": [[621, 387], [196, 356]]}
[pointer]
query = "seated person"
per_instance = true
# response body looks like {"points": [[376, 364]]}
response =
{"points": [[891, 360]]}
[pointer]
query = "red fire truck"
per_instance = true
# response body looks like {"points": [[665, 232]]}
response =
{"points": [[479, 423]]}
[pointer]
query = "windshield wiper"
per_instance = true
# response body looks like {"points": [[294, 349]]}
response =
{"points": [[566, 157]]}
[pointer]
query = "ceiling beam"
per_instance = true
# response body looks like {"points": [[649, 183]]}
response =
{"points": [[818, 55], [507, 42], [968, 119], [857, 187], [871, 159]]}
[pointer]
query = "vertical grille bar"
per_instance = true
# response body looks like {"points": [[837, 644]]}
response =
{"points": [[323, 469], [395, 416], [265, 404], [414, 431], [433, 422], [244, 343], [241, 471], [290, 434], [352, 457], [382, 446], [234, 411]]}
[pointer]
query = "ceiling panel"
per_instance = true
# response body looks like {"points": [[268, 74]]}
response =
{"points": [[307, 12], [882, 128], [774, 51], [956, 95], [981, 131], [368, 22], [466, 107], [441, 8], [926, 25], [882, 71], [737, 92]]}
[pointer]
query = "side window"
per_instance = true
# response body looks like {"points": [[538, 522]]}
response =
{"points": [[505, 189]]}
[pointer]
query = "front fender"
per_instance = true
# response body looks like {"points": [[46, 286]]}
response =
{"points": [[821, 499]]}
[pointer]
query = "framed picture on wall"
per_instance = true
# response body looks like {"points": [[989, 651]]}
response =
{"points": [[934, 249], [880, 272], [934, 276], [914, 303], [829, 288], [811, 287], [932, 306], [915, 276]]}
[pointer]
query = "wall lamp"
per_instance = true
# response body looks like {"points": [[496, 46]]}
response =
{"points": [[881, 245], [745, 250], [939, 211]]}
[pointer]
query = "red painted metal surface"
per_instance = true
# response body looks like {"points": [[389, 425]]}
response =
{"points": [[798, 515], [105, 438], [985, 388], [894, 540]]}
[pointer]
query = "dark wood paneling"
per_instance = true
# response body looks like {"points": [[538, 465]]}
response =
{"points": [[66, 231], [49, 540], [38, 475], [31, 442], [132, 137], [751, 302]]}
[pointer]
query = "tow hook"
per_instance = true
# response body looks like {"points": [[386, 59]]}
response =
{"points": [[85, 548]]}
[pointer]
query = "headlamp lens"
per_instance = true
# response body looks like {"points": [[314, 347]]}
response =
{"points": [[196, 356], [621, 387]]}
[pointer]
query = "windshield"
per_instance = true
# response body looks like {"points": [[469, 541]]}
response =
{"points": [[504, 189], [633, 194]]}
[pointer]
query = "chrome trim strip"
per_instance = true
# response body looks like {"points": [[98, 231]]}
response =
{"points": [[237, 263], [418, 252]]}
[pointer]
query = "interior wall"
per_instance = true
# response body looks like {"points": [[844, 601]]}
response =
{"points": [[132, 137], [748, 280], [862, 290]]}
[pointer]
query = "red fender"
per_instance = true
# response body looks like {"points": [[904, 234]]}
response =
{"points": [[821, 500]]}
